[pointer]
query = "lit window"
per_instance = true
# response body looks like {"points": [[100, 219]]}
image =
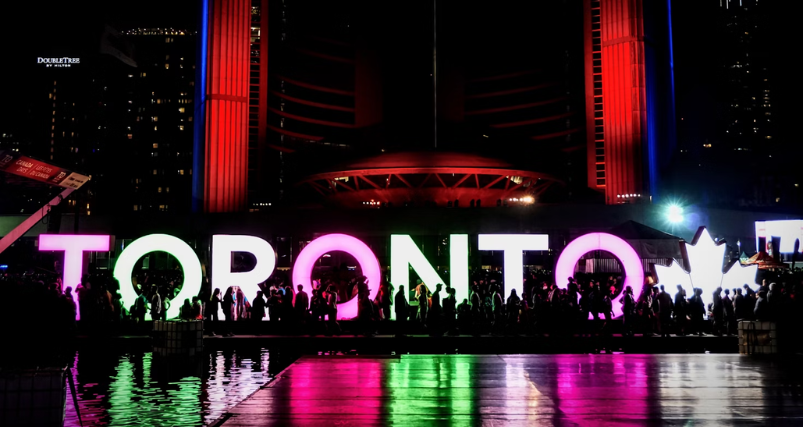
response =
{"points": [[154, 128], [154, 171], [181, 171], [180, 127], [167, 66], [159, 190], [130, 136], [155, 145], [181, 109], [136, 208], [167, 189]]}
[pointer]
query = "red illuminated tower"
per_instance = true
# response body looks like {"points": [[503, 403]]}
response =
{"points": [[221, 140], [629, 96]]}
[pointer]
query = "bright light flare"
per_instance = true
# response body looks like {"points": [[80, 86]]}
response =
{"points": [[674, 214]]}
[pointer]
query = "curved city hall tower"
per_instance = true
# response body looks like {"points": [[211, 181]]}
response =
{"points": [[294, 93], [630, 112], [221, 135]]}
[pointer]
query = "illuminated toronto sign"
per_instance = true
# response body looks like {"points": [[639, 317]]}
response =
{"points": [[73, 246], [404, 256], [705, 258], [63, 62], [634, 272]]}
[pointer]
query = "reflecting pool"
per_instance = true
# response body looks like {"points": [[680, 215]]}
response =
{"points": [[139, 388]]}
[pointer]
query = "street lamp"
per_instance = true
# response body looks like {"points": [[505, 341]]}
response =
{"points": [[674, 214]]}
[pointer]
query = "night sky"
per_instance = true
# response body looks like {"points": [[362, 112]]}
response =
{"points": [[73, 28]]}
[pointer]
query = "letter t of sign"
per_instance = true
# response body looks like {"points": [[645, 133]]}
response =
{"points": [[513, 246], [74, 246]]}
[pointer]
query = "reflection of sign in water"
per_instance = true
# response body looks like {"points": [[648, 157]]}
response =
{"points": [[63, 62]]}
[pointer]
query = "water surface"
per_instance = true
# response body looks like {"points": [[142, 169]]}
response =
{"points": [[139, 388]]}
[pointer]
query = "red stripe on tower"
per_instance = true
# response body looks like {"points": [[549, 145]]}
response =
{"points": [[226, 136]]}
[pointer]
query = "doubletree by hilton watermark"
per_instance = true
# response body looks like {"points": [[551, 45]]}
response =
{"points": [[64, 62]]}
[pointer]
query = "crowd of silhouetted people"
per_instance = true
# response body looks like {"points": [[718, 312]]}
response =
{"points": [[584, 306]]}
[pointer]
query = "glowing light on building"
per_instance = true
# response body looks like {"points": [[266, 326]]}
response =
{"points": [[404, 253], [302, 270], [165, 243], [705, 262], [74, 246], [631, 263], [513, 246], [222, 277]]}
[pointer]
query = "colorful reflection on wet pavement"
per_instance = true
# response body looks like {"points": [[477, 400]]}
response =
{"points": [[529, 390], [138, 388]]}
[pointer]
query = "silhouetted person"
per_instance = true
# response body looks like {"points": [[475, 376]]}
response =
{"points": [[450, 311], [365, 313], [332, 327], [628, 311], [665, 307], [212, 312], [679, 309], [258, 310], [741, 305], [423, 304], [717, 311], [435, 311], [214, 305], [384, 300], [317, 306], [274, 305], [156, 305], [240, 299], [186, 310], [730, 316], [513, 303], [301, 305], [697, 311], [761, 310], [140, 307], [402, 307], [228, 304]]}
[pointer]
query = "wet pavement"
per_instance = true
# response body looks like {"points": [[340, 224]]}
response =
{"points": [[138, 388], [525, 390]]}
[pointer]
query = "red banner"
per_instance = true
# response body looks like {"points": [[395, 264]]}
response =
{"points": [[17, 164]]}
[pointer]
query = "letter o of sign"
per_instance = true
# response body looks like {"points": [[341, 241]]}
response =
{"points": [[634, 272], [165, 243], [302, 270]]}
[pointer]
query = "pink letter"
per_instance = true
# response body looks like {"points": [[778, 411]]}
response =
{"points": [[302, 270], [74, 246], [634, 272]]}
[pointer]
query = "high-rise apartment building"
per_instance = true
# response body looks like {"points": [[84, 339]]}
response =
{"points": [[155, 149], [745, 57]]}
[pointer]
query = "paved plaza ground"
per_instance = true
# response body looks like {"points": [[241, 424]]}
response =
{"points": [[526, 390]]}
